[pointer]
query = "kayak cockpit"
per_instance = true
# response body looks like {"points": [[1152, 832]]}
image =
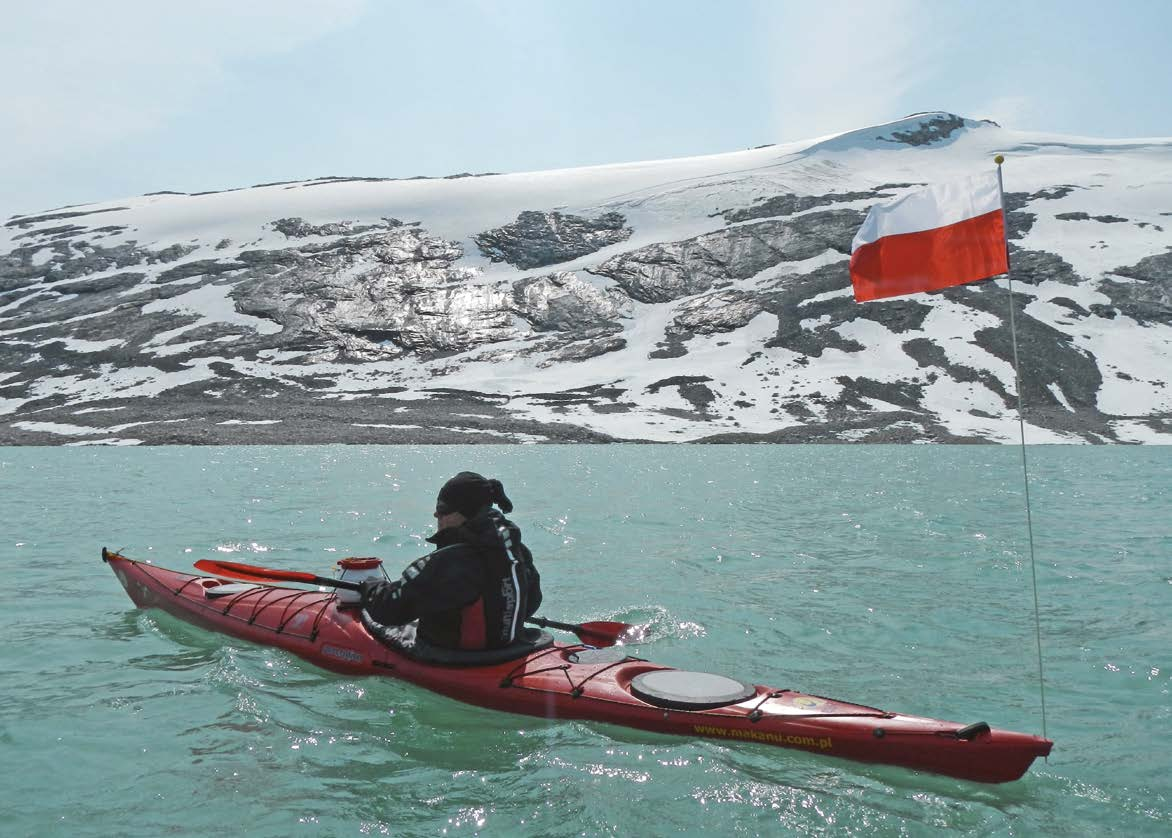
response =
{"points": [[402, 639]]}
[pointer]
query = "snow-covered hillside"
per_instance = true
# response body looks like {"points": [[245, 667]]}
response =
{"points": [[706, 298]]}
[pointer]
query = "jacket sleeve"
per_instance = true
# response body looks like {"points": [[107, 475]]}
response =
{"points": [[447, 579], [532, 582]]}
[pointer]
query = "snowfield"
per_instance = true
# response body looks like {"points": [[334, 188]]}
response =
{"points": [[701, 299]]}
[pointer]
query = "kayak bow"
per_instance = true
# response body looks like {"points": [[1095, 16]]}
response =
{"points": [[576, 681]]}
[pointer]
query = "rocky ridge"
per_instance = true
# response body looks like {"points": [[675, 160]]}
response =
{"points": [[383, 329]]}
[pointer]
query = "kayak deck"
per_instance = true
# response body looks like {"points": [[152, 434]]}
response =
{"points": [[574, 681]]}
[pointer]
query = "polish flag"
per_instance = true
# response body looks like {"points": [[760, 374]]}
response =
{"points": [[945, 235]]}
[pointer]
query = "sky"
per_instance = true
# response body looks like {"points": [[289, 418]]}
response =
{"points": [[107, 100]]}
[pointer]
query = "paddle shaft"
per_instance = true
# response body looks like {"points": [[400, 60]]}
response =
{"points": [[253, 573], [544, 623]]}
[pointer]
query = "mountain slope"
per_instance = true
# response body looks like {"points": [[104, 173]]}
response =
{"points": [[706, 298]]}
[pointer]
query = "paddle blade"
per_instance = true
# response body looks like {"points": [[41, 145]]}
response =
{"points": [[603, 633], [252, 573]]}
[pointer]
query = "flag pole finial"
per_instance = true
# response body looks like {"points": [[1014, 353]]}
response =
{"points": [[999, 159]]}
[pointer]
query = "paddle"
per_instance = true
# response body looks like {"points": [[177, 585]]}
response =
{"points": [[253, 573], [600, 633]]}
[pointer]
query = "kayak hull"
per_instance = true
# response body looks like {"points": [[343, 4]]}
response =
{"points": [[561, 682]]}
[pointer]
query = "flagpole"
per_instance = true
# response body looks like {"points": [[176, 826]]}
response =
{"points": [[1021, 426]]}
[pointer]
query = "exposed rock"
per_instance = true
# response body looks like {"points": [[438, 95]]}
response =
{"points": [[585, 350], [410, 297], [537, 239], [200, 267], [933, 129], [1067, 303], [692, 388], [65, 231], [724, 311], [661, 273], [298, 228], [1053, 193], [789, 203], [19, 270], [824, 317], [120, 281], [93, 258], [25, 221], [929, 354], [1148, 298], [672, 346], [1054, 363], [883, 427], [563, 302], [905, 394], [1033, 267], [1082, 216], [172, 253], [1018, 221]]}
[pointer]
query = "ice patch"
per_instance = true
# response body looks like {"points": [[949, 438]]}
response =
{"points": [[127, 383], [84, 346], [829, 295], [212, 305], [1129, 430], [10, 405], [58, 428], [1056, 391], [176, 348], [106, 441], [85, 430]]}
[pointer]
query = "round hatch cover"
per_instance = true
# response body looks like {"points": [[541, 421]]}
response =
{"points": [[681, 690]]}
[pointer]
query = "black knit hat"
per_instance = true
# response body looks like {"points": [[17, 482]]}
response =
{"points": [[468, 493]]}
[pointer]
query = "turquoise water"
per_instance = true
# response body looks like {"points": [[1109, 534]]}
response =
{"points": [[893, 576]]}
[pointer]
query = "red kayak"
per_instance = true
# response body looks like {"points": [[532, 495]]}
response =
{"points": [[541, 677]]}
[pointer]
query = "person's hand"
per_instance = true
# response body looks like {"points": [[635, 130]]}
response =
{"points": [[368, 589]]}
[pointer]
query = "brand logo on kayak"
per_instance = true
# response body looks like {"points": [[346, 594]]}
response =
{"points": [[341, 654], [822, 743]]}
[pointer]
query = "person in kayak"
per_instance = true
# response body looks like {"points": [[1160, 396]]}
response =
{"points": [[473, 592]]}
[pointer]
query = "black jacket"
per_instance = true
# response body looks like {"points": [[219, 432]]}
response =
{"points": [[474, 592]]}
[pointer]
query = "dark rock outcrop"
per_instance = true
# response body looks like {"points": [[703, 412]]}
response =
{"points": [[661, 273], [723, 311], [537, 239], [1148, 297], [791, 204], [563, 302], [933, 129]]}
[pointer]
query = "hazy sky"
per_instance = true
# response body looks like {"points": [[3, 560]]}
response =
{"points": [[104, 100]]}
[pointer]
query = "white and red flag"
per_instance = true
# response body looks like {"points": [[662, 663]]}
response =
{"points": [[944, 235]]}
